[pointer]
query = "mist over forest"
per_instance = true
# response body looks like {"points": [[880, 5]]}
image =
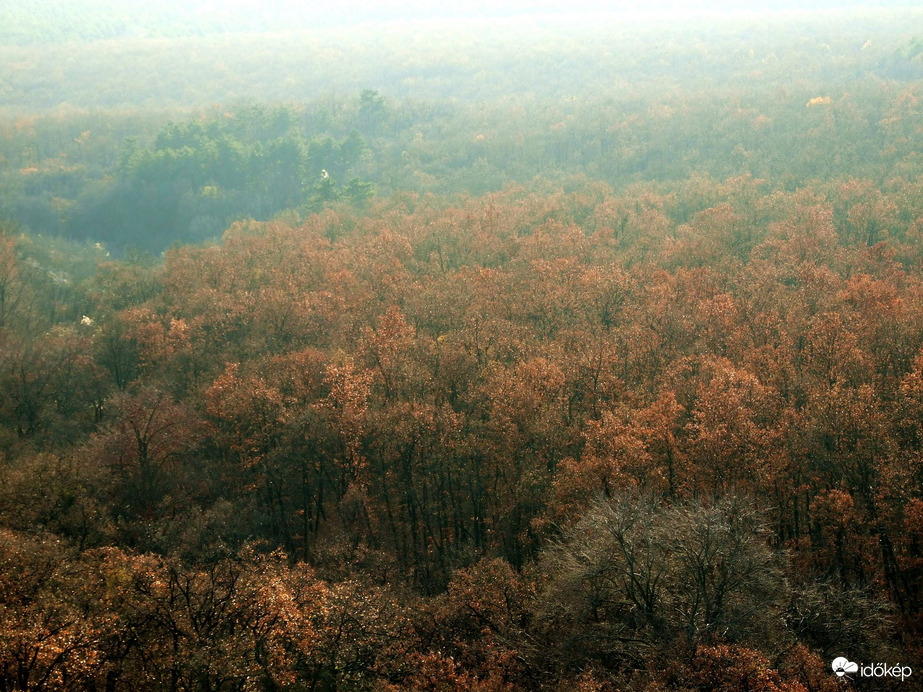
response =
{"points": [[470, 346], [53, 21]]}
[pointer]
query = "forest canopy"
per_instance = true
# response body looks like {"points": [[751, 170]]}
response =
{"points": [[451, 357]]}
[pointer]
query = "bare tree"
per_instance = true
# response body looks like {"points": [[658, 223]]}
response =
{"points": [[635, 575]]}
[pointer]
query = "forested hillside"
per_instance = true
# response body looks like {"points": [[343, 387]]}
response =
{"points": [[586, 370]]}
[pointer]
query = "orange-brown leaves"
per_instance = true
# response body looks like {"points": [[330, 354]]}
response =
{"points": [[390, 350], [47, 639], [737, 668], [249, 412], [735, 429]]}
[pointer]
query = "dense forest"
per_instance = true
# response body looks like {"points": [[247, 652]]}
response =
{"points": [[506, 353]]}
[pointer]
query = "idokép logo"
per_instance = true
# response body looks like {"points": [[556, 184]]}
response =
{"points": [[844, 667]]}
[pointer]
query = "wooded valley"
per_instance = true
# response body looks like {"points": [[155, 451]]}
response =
{"points": [[442, 356]]}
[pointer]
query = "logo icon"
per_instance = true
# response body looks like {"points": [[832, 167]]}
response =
{"points": [[842, 666]]}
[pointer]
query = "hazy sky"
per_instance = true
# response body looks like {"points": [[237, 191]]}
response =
{"points": [[50, 21], [409, 9]]}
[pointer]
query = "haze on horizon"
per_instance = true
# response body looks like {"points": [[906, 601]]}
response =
{"points": [[50, 21]]}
